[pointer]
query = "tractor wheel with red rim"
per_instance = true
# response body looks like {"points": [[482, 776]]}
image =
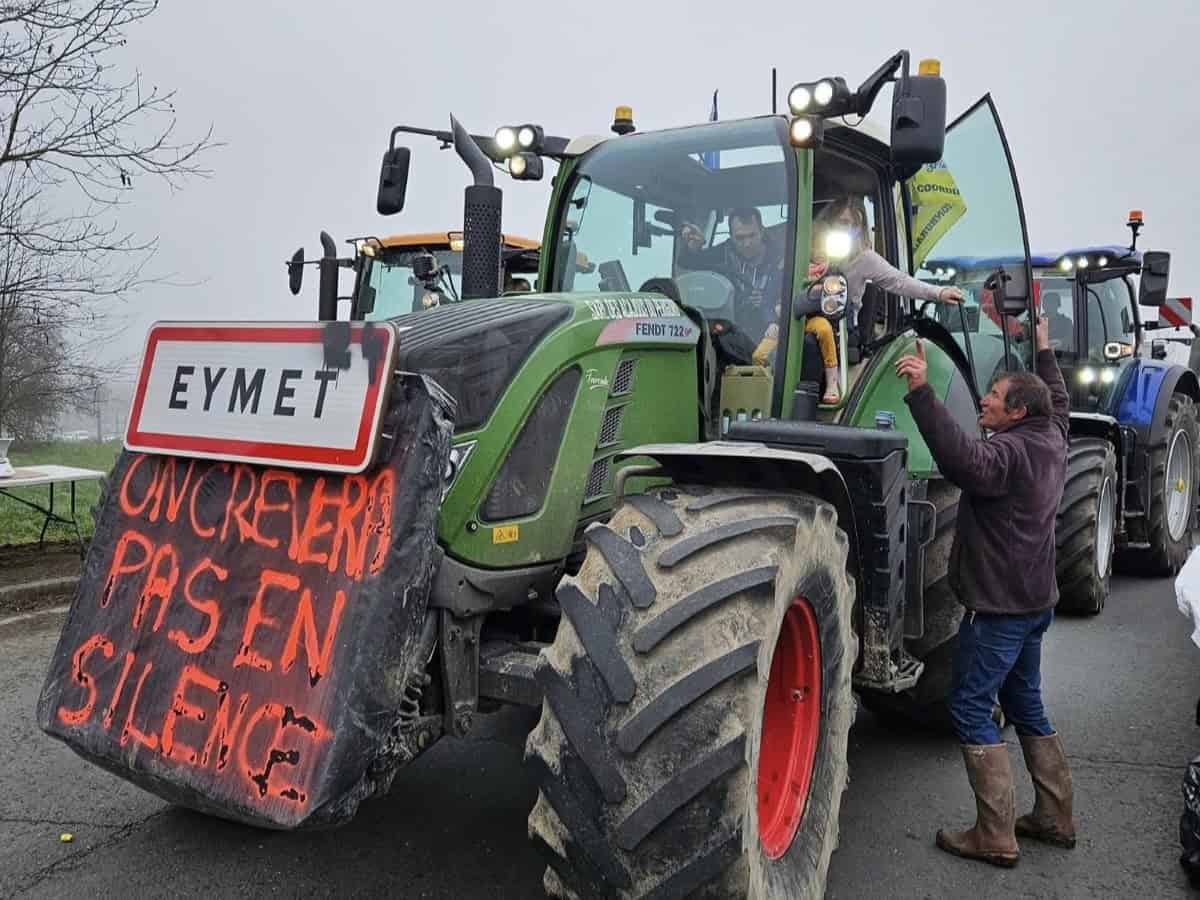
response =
{"points": [[698, 701]]}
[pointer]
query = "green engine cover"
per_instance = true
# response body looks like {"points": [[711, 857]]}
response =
{"points": [[634, 359]]}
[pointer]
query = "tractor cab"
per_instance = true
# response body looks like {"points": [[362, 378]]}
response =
{"points": [[414, 272], [407, 273], [1100, 301]]}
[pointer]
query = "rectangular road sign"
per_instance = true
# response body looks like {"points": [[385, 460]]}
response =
{"points": [[264, 393], [1176, 312]]}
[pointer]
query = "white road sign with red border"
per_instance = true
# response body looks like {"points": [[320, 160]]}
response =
{"points": [[261, 393]]}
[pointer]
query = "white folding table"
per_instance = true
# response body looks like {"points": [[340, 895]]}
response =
{"points": [[35, 476]]}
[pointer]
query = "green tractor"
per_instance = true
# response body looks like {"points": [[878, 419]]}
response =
{"points": [[687, 563]]}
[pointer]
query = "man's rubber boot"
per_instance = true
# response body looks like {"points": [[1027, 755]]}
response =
{"points": [[992, 839], [1051, 820]]}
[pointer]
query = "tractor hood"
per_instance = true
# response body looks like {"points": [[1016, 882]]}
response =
{"points": [[474, 349]]}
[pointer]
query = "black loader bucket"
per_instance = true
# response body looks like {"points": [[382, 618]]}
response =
{"points": [[241, 634]]}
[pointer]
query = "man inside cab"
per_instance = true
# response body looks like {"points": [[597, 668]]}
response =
{"points": [[1062, 329], [749, 260]]}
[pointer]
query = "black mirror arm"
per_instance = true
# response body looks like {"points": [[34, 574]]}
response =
{"points": [[864, 97], [552, 146]]}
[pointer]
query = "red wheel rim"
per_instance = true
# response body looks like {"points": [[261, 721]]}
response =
{"points": [[790, 729]]}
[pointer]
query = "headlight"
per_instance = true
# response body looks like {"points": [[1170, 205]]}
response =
{"points": [[1082, 262], [1102, 261], [525, 166], [833, 294], [802, 131], [506, 139], [526, 136], [832, 304], [1087, 376], [799, 99], [837, 244], [1066, 265], [1108, 376], [823, 93]]}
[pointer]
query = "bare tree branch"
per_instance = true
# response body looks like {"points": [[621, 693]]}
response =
{"points": [[76, 131]]}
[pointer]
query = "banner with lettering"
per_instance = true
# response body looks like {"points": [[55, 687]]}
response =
{"points": [[937, 205], [241, 634]]}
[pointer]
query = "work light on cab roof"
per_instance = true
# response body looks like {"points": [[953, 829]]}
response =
{"points": [[520, 146], [917, 101]]}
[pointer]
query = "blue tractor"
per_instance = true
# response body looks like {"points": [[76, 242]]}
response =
{"points": [[1130, 498]]}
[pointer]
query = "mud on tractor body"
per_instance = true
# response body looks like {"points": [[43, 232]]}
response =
{"points": [[590, 500]]}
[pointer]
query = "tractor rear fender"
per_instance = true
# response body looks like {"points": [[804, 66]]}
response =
{"points": [[753, 465]]}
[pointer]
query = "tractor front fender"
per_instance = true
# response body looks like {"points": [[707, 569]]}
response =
{"points": [[756, 465], [1097, 425], [753, 465]]}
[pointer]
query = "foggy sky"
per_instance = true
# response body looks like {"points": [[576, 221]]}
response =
{"points": [[1098, 100]]}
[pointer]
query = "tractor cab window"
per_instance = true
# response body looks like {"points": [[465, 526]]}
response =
{"points": [[1109, 316], [1057, 304], [398, 292], [704, 209]]}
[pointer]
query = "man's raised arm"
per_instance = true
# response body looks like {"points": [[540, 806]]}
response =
{"points": [[1048, 371]]}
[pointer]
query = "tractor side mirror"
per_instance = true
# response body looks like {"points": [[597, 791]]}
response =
{"points": [[296, 271], [1009, 290], [918, 122], [393, 181], [424, 266], [1156, 271]]}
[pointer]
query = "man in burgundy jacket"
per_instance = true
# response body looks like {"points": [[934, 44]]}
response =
{"points": [[1002, 570]]}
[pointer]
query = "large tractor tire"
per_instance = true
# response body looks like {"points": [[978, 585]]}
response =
{"points": [[1172, 495], [697, 701], [926, 704], [1086, 526]]}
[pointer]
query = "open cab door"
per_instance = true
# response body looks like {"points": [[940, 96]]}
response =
{"points": [[968, 230]]}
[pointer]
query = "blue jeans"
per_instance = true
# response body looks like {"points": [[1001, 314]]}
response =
{"points": [[999, 657]]}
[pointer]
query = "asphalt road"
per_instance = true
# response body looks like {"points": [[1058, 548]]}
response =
{"points": [[1121, 688]]}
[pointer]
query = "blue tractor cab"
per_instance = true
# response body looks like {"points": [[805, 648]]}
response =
{"points": [[1130, 497]]}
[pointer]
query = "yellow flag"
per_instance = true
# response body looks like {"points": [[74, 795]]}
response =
{"points": [[937, 203]]}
